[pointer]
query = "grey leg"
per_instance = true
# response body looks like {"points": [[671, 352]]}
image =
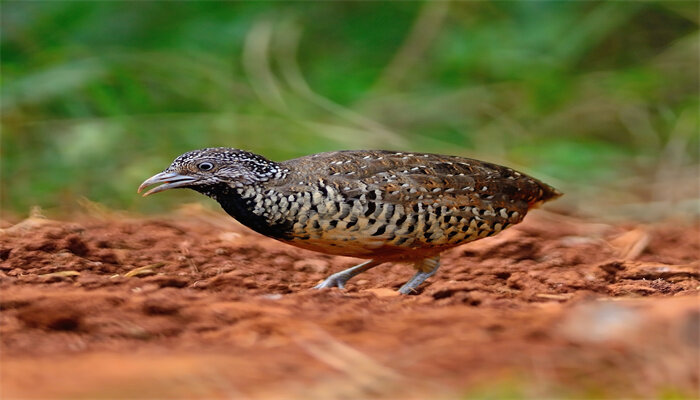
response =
{"points": [[339, 279], [420, 276]]}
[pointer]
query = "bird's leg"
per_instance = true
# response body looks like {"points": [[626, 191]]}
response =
{"points": [[339, 279], [421, 275]]}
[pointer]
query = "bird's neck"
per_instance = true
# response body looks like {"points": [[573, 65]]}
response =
{"points": [[247, 205]]}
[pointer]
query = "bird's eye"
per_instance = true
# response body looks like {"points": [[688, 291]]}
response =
{"points": [[205, 166]]}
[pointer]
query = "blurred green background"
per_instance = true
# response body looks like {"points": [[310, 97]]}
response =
{"points": [[599, 99]]}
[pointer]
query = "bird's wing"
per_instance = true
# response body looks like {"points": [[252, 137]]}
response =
{"points": [[411, 178], [449, 198]]}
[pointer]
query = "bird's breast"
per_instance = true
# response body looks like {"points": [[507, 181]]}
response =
{"points": [[324, 218]]}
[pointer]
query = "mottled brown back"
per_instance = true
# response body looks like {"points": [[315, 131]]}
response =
{"points": [[392, 205]]}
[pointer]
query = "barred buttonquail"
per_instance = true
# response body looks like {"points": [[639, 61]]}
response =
{"points": [[378, 205]]}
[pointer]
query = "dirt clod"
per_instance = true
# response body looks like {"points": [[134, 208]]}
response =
{"points": [[76, 245], [51, 316]]}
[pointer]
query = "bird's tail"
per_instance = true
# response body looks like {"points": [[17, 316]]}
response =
{"points": [[546, 193]]}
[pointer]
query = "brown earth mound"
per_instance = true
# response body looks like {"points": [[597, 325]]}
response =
{"points": [[196, 306]]}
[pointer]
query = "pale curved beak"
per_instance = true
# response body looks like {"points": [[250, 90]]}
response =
{"points": [[170, 180]]}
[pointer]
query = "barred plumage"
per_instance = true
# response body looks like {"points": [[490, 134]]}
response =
{"points": [[379, 205]]}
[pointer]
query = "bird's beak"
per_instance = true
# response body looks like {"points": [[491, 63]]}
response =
{"points": [[170, 179]]}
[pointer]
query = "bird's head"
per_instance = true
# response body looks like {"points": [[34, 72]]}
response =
{"points": [[206, 169]]}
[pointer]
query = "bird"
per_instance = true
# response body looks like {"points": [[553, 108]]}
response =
{"points": [[378, 205]]}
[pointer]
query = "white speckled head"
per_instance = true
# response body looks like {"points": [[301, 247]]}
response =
{"points": [[214, 166]]}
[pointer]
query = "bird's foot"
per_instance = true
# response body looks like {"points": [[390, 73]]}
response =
{"points": [[420, 277], [336, 280], [339, 279]]}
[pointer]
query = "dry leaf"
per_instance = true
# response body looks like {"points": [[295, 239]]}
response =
{"points": [[144, 271]]}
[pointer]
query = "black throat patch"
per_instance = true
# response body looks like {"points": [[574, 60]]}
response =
{"points": [[242, 210]]}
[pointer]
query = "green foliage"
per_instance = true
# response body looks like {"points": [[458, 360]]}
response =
{"points": [[97, 96]]}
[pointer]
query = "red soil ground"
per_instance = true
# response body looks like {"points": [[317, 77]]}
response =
{"points": [[196, 306]]}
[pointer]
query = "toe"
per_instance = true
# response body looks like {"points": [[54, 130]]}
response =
{"points": [[331, 283]]}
